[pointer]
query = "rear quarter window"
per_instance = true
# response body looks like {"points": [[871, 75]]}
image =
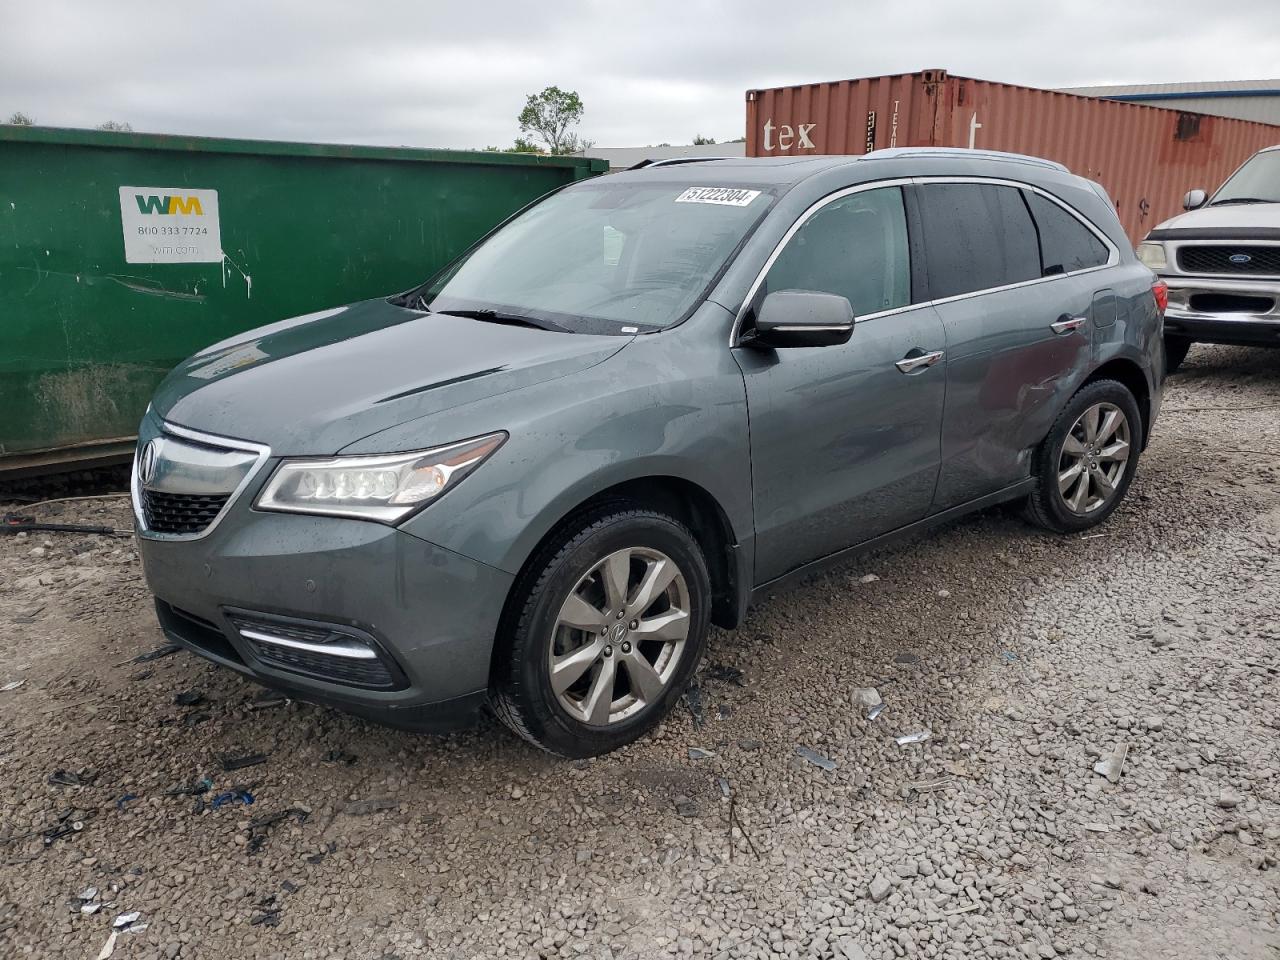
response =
{"points": [[1066, 244]]}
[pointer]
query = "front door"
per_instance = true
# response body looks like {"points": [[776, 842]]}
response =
{"points": [[845, 439]]}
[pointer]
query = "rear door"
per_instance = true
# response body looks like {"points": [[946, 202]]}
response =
{"points": [[1018, 330]]}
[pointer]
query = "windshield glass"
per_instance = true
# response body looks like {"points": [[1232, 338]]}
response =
{"points": [[1258, 179], [634, 254]]}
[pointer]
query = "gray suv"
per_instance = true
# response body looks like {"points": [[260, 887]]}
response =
{"points": [[641, 403]]}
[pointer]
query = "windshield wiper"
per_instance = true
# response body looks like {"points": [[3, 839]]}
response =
{"points": [[1223, 203], [512, 319]]}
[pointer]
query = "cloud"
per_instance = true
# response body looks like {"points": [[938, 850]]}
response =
{"points": [[455, 75]]}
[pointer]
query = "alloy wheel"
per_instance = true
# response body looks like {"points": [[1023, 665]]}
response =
{"points": [[619, 636], [1093, 459]]}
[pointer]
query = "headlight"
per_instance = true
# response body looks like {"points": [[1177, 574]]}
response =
{"points": [[1152, 254], [385, 488]]}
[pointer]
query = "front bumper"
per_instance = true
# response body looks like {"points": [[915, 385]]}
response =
{"points": [[430, 613], [1244, 312]]}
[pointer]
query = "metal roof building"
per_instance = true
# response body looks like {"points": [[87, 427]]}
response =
{"points": [[622, 157], [1243, 99]]}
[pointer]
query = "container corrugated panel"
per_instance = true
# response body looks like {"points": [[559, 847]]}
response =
{"points": [[1146, 157], [87, 330]]}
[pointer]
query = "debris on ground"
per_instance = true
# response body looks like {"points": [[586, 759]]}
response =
{"points": [[726, 674], [72, 821], [72, 778], [328, 848], [361, 808], [816, 758], [203, 785], [1112, 765], [230, 763], [867, 699], [237, 795], [268, 703], [687, 808], [125, 920], [168, 650], [868, 578], [917, 736], [189, 698], [109, 947], [693, 701], [698, 753], [12, 685], [122, 800], [907, 657]]}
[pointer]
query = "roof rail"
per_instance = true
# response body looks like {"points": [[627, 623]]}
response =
{"points": [[672, 161], [960, 152]]}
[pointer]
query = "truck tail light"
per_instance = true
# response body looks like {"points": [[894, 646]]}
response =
{"points": [[1161, 291]]}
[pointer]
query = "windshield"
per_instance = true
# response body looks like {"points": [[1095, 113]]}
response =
{"points": [[1258, 181], [629, 254]]}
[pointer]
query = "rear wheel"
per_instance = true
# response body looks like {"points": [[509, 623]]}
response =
{"points": [[1083, 468], [1175, 351], [608, 626]]}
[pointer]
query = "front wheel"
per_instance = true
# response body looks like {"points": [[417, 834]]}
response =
{"points": [[606, 627], [1083, 468]]}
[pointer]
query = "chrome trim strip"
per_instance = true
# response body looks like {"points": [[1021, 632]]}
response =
{"points": [[262, 451], [352, 650], [1113, 257]]}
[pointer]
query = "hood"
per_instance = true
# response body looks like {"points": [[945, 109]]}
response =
{"points": [[1226, 222], [313, 385]]}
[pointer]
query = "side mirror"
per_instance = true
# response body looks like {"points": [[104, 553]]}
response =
{"points": [[804, 318], [1194, 199]]}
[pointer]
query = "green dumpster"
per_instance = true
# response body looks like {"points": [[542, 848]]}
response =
{"points": [[121, 254]]}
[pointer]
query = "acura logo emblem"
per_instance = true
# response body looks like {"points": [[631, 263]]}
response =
{"points": [[147, 461]]}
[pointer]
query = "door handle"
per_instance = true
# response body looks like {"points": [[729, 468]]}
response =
{"points": [[1067, 323], [908, 364]]}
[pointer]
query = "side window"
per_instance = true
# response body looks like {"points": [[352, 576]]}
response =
{"points": [[977, 236], [1066, 244], [855, 247]]}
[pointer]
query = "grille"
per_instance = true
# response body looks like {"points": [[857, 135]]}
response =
{"points": [[1230, 303], [180, 512], [362, 672], [1262, 260]]}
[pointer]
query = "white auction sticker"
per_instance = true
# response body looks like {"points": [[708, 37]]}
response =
{"points": [[725, 196], [170, 225]]}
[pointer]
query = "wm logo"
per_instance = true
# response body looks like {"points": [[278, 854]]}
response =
{"points": [[164, 205]]}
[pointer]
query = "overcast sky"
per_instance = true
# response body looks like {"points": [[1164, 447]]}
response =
{"points": [[436, 74]]}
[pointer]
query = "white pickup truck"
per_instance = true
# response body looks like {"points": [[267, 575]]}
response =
{"points": [[1221, 260]]}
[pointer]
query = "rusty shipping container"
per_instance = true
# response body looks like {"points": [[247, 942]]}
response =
{"points": [[1146, 157]]}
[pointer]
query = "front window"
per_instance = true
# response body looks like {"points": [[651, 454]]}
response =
{"points": [[1258, 181], [602, 256]]}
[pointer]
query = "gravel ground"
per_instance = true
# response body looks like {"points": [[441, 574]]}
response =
{"points": [[1030, 658]]}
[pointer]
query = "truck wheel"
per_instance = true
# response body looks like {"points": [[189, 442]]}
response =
{"points": [[606, 627], [1175, 351], [1083, 468]]}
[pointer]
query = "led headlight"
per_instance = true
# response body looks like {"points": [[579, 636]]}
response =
{"points": [[385, 488], [1153, 255]]}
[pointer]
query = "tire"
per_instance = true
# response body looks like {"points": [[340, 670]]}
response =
{"points": [[1064, 506], [1175, 351], [570, 578]]}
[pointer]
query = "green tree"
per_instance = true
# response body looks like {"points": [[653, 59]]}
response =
{"points": [[120, 126], [700, 141], [550, 116], [20, 119]]}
